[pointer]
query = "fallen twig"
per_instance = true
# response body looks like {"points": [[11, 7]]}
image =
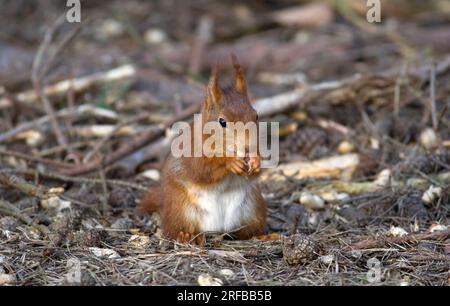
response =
{"points": [[63, 44], [285, 101], [205, 30], [66, 178], [328, 167], [405, 47], [282, 102], [78, 111], [126, 149], [35, 159], [116, 130], [9, 209], [128, 165], [36, 78], [412, 238], [107, 131], [78, 84], [433, 96], [356, 188], [41, 192]]}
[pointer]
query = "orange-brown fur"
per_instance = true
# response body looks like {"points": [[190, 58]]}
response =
{"points": [[171, 197]]}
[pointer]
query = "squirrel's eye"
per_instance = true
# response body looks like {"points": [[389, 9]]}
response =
{"points": [[222, 122]]}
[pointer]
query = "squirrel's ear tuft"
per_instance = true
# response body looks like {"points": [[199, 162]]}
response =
{"points": [[213, 91], [239, 77]]}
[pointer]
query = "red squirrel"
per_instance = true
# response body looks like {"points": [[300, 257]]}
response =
{"points": [[212, 194]]}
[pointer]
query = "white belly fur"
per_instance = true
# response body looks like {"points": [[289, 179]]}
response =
{"points": [[226, 206]]}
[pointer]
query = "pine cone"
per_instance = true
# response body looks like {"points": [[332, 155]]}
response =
{"points": [[300, 249]]}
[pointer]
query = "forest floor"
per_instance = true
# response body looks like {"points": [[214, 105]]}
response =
{"points": [[362, 192]]}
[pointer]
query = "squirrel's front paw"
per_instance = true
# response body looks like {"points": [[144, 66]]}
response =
{"points": [[189, 238], [237, 166], [254, 165]]}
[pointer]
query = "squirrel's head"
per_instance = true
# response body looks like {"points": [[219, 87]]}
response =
{"points": [[229, 105]]}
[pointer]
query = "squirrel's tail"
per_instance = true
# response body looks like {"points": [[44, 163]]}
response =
{"points": [[151, 202]]}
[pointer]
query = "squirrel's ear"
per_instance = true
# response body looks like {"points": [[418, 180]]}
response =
{"points": [[239, 77], [213, 91]]}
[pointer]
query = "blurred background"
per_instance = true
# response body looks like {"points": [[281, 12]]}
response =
{"points": [[364, 133], [300, 40]]}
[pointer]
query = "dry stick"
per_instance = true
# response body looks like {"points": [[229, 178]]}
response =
{"points": [[60, 47], [412, 238], [128, 165], [35, 159], [43, 71], [105, 139], [264, 107], [124, 150], [106, 130], [26, 108], [85, 108], [36, 80], [334, 126], [70, 96], [423, 72], [9, 209], [65, 178], [16, 182], [356, 188], [43, 47], [205, 29], [433, 96], [79, 84], [23, 127], [105, 190], [282, 102], [51, 113], [405, 47], [73, 145], [398, 84], [132, 146], [332, 166], [13, 213]]}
